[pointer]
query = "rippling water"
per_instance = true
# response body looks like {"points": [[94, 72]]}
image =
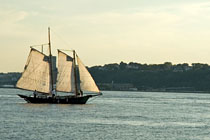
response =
{"points": [[115, 115]]}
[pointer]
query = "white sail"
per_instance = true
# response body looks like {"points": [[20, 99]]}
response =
{"points": [[86, 81], [65, 79], [36, 75]]}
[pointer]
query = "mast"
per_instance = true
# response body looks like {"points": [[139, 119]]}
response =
{"points": [[50, 61], [75, 75]]}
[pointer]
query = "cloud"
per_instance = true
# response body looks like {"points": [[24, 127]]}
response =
{"points": [[179, 17], [133, 29], [12, 17], [196, 9], [10, 21]]}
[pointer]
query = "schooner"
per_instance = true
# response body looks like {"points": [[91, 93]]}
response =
{"points": [[38, 77]]}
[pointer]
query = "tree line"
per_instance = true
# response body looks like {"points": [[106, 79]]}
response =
{"points": [[143, 77], [155, 77]]}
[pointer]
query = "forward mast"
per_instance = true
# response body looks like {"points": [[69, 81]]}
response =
{"points": [[50, 63]]}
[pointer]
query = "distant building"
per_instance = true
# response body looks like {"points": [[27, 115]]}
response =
{"points": [[117, 86]]}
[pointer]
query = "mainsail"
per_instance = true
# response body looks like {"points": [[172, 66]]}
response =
{"points": [[65, 79], [86, 81], [36, 75]]}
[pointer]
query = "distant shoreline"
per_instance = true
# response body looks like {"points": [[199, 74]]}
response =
{"points": [[205, 92]]}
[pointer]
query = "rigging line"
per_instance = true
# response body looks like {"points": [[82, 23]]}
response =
{"points": [[39, 45], [66, 43]]}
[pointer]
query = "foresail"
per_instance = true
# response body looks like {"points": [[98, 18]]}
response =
{"points": [[86, 81], [36, 74], [65, 79]]}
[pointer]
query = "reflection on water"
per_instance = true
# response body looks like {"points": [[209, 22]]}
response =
{"points": [[57, 105], [34, 105], [115, 115]]}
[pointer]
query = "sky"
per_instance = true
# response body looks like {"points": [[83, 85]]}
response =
{"points": [[108, 31]]}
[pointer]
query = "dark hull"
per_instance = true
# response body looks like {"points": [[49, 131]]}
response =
{"points": [[57, 99]]}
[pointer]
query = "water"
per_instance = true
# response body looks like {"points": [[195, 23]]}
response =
{"points": [[115, 115]]}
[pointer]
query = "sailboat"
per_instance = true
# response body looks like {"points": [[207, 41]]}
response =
{"points": [[73, 77]]}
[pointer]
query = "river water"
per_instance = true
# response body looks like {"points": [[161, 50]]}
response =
{"points": [[113, 116]]}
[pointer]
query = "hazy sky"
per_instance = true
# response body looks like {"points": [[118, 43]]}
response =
{"points": [[107, 31]]}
